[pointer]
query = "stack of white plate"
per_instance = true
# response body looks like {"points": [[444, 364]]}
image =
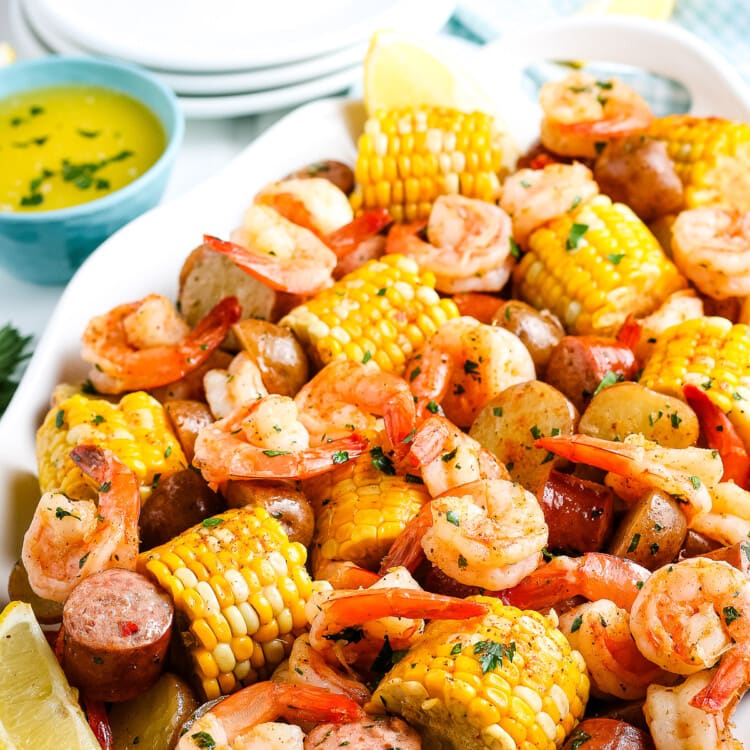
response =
{"points": [[226, 58]]}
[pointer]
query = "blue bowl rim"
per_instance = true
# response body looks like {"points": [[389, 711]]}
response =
{"points": [[106, 201]]}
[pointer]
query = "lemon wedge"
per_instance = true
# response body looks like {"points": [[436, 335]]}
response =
{"points": [[402, 71], [38, 709], [658, 10]]}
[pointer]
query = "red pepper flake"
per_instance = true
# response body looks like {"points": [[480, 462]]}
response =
{"points": [[128, 628]]}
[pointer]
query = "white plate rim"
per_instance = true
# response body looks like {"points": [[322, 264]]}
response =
{"points": [[208, 84], [367, 17]]}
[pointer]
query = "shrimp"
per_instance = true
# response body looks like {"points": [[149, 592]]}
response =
{"points": [[351, 625], [264, 439], [711, 246], [721, 435], [245, 720], [467, 245], [581, 112], [600, 631], [228, 390], [684, 473], [728, 521], [360, 240], [594, 576], [532, 197], [69, 540], [145, 344], [489, 533], [449, 458], [687, 616], [282, 255], [307, 667], [313, 203], [376, 733], [675, 724], [345, 395], [484, 360]]}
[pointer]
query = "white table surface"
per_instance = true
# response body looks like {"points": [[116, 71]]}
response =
{"points": [[208, 146]]}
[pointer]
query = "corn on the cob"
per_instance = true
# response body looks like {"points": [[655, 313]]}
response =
{"points": [[408, 157], [594, 266], [383, 312], [360, 508], [507, 680], [711, 156], [136, 430], [711, 354], [239, 588]]}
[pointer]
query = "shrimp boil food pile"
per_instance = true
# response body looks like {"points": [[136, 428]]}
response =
{"points": [[440, 451]]}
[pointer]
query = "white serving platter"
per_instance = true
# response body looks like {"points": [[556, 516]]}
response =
{"points": [[145, 256]]}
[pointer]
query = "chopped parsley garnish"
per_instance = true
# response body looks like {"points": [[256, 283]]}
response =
{"points": [[340, 457], [634, 542], [413, 479], [536, 433], [609, 379], [579, 738], [352, 634], [367, 357], [210, 523], [452, 517], [203, 740], [273, 454], [457, 649], [60, 513], [446, 457], [107, 486], [515, 250], [88, 133], [470, 367], [492, 653], [414, 374], [382, 462], [432, 407], [59, 419], [695, 481], [497, 411], [615, 258], [462, 561], [574, 237], [730, 614], [576, 624]]}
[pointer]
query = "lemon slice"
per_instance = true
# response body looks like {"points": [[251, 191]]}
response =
{"points": [[38, 709], [404, 71], [659, 10]]}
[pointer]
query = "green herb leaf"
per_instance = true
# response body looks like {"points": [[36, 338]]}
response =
{"points": [[457, 649], [635, 540], [352, 634], [515, 250], [609, 379], [579, 738], [432, 407], [382, 462], [695, 481], [576, 624], [615, 258], [210, 523], [492, 653], [452, 517], [497, 411], [203, 740], [340, 457], [61, 513], [88, 133], [574, 237], [367, 357], [273, 454], [730, 614], [446, 457]]}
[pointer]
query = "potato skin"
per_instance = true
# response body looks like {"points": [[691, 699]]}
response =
{"points": [[153, 719], [626, 408], [508, 425], [579, 513], [652, 532], [191, 386], [539, 331], [280, 357], [178, 502], [187, 418], [281, 499]]}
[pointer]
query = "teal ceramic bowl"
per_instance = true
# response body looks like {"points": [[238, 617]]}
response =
{"points": [[46, 247]]}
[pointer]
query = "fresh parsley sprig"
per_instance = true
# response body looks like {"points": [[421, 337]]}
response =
{"points": [[13, 351]]}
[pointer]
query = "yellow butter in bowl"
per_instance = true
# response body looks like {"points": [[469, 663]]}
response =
{"points": [[66, 145]]}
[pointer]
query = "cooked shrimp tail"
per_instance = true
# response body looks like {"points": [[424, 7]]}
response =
{"points": [[728, 683], [302, 274], [266, 702], [429, 379], [363, 606], [346, 239], [721, 435], [342, 574], [630, 333], [595, 575], [406, 550]]}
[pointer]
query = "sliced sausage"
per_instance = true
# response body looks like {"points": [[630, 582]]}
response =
{"points": [[737, 555], [180, 501], [374, 733], [579, 513], [116, 628], [698, 545], [578, 366], [608, 734]]}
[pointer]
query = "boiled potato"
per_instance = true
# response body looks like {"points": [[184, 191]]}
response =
{"points": [[19, 589], [340, 174], [509, 424], [207, 277], [652, 532], [188, 417], [282, 361], [153, 720], [626, 408], [539, 331], [285, 503]]}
